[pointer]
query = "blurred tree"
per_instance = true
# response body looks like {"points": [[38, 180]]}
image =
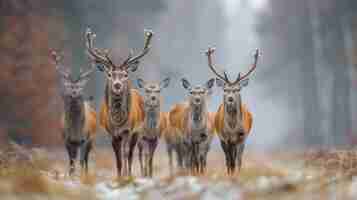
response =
{"points": [[27, 83], [310, 37]]}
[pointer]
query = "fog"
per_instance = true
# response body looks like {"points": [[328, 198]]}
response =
{"points": [[301, 94]]}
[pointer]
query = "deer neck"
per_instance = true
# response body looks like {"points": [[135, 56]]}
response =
{"points": [[119, 105], [198, 116], [233, 114], [152, 116], [74, 113]]}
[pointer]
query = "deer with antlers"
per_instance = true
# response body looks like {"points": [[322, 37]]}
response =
{"points": [[122, 111], [79, 118], [192, 119], [155, 123], [233, 120]]}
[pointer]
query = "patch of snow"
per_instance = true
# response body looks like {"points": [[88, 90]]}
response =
{"points": [[105, 192], [352, 191]]}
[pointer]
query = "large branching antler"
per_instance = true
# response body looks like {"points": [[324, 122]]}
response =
{"points": [[225, 78], [252, 68], [209, 53], [98, 56], [57, 59], [86, 73], [132, 62]]}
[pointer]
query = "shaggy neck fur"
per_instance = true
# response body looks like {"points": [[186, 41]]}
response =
{"points": [[233, 113], [152, 116], [74, 114], [198, 116], [118, 105]]}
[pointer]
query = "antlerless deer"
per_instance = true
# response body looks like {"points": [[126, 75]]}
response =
{"points": [[155, 123], [191, 123]]}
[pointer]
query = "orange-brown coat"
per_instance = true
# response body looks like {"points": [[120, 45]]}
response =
{"points": [[164, 123], [178, 121], [219, 120], [90, 121]]}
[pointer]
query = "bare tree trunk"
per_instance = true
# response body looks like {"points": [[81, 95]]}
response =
{"points": [[336, 56], [309, 83]]}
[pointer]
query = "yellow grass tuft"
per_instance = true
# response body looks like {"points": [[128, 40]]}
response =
{"points": [[88, 179]]}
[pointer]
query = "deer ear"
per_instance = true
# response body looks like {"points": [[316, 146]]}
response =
{"points": [[100, 67], [186, 84], [140, 83], [244, 83], [134, 66], [210, 83], [165, 83], [219, 82]]}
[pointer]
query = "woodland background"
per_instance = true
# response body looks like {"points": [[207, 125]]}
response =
{"points": [[303, 93]]}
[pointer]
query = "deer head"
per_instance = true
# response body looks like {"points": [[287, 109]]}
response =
{"points": [[73, 87], [117, 75], [152, 91], [231, 88], [198, 94]]}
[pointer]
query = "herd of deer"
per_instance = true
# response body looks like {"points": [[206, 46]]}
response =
{"points": [[133, 120]]}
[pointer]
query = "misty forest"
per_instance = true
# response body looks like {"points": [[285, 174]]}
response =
{"points": [[228, 99]]}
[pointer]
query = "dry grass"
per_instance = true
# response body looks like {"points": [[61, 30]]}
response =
{"points": [[31, 172], [25, 173]]}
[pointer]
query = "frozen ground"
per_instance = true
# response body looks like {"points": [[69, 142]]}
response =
{"points": [[39, 174]]}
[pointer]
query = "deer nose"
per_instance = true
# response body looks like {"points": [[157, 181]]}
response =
{"points": [[230, 99], [117, 86], [153, 98]]}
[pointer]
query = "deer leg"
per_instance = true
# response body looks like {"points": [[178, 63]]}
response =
{"points": [[233, 157], [146, 160], [189, 158], [116, 143], [185, 153], [230, 153], [133, 141], [169, 150], [227, 155], [149, 167], [140, 148], [72, 149], [240, 155], [152, 152], [201, 170], [179, 156], [86, 146], [196, 158], [86, 156], [192, 158], [205, 164], [125, 151]]}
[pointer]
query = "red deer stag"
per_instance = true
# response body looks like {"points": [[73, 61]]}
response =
{"points": [[233, 120], [79, 119], [122, 111]]}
